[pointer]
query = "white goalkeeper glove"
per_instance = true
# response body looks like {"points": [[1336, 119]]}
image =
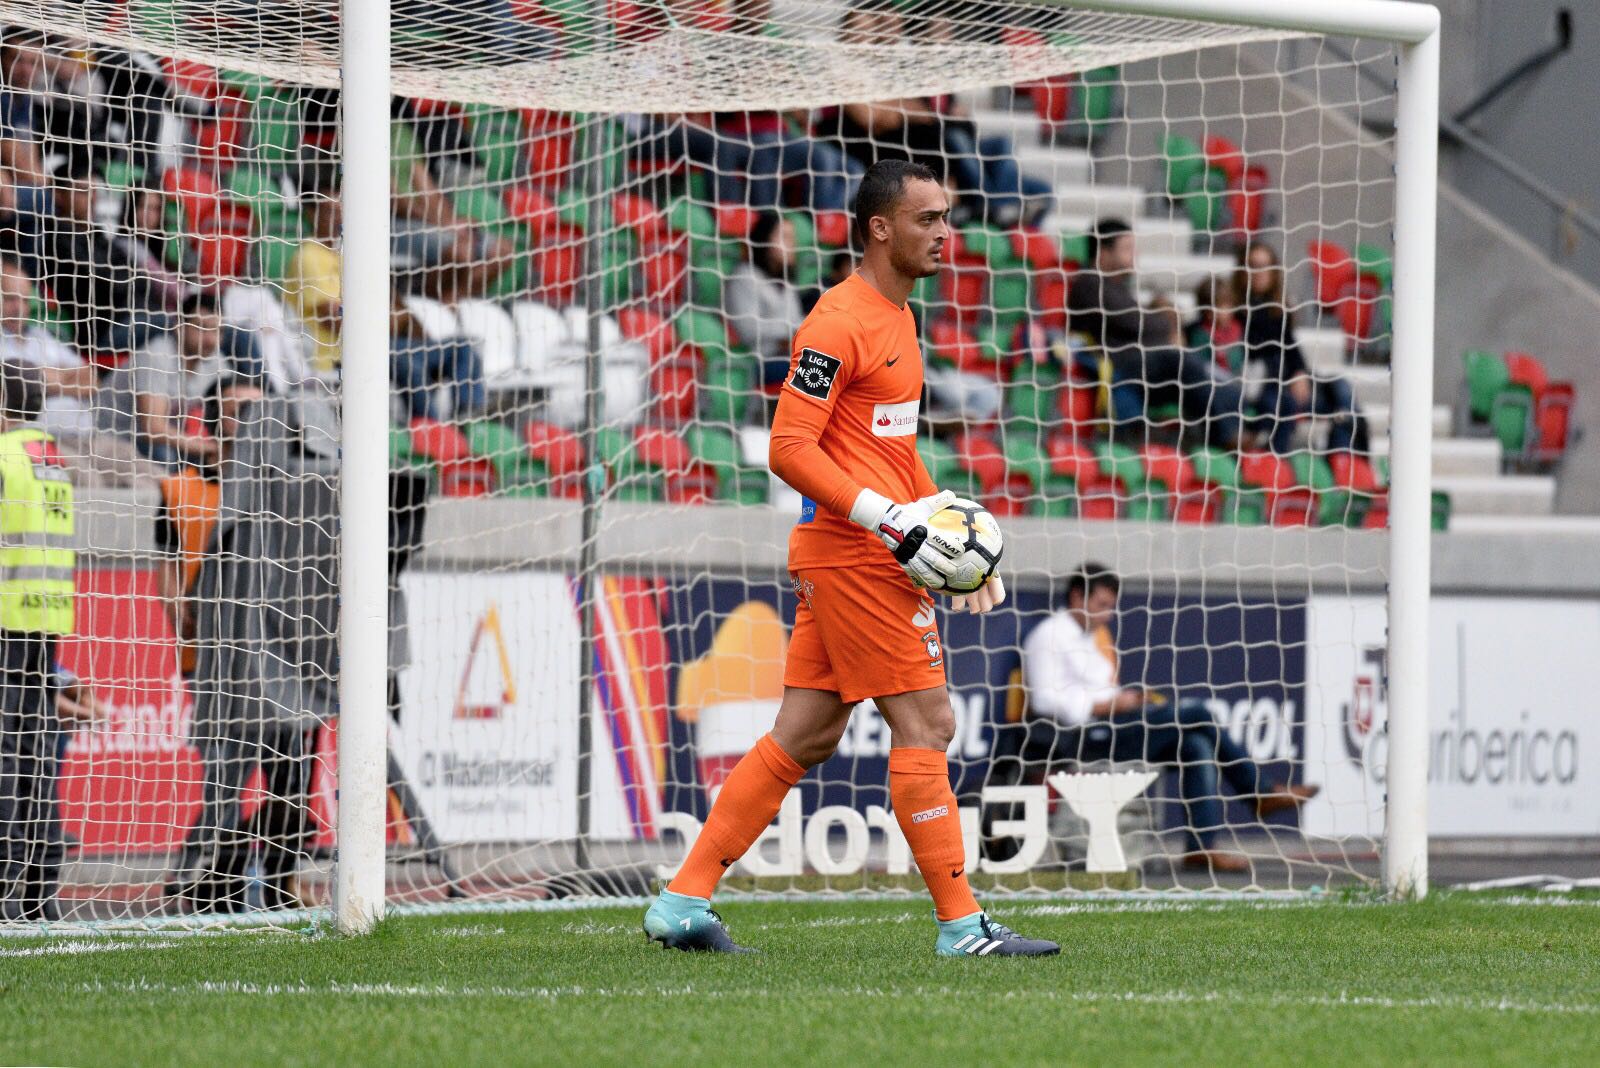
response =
{"points": [[991, 594], [927, 555]]}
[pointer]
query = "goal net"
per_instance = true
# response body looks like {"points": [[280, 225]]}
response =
{"points": [[1160, 344]]}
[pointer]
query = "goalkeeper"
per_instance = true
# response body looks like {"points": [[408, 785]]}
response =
{"points": [[861, 559]]}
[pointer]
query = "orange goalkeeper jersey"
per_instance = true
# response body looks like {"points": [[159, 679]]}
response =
{"points": [[847, 421]]}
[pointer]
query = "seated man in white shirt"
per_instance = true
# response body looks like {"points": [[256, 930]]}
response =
{"points": [[1077, 710]]}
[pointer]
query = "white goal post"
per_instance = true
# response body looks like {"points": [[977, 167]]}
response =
{"points": [[1414, 27]]}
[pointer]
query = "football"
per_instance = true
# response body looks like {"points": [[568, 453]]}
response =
{"points": [[970, 526]]}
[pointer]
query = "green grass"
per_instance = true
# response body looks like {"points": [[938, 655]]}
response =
{"points": [[1457, 979]]}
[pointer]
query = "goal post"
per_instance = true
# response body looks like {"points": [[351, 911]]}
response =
{"points": [[571, 239]]}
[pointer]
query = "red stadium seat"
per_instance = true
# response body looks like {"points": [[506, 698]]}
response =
{"points": [[979, 454], [951, 342], [1248, 203], [675, 385], [191, 79], [1050, 299], [1528, 372], [462, 473], [1225, 156], [196, 191], [556, 447], [1287, 502], [1072, 458], [640, 215], [1333, 270], [1076, 403], [649, 329], [833, 229], [964, 286], [735, 221], [1554, 421], [559, 267], [696, 485], [661, 449], [666, 278], [531, 206], [1041, 251]]}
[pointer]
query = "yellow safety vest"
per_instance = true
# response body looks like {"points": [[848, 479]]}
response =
{"points": [[36, 554]]}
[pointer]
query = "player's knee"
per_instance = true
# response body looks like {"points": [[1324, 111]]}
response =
{"points": [[939, 729], [810, 748]]}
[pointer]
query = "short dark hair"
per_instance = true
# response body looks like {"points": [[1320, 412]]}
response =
{"points": [[881, 188], [1105, 231], [1089, 577], [201, 301]]}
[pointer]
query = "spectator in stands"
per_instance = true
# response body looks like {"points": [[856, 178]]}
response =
{"points": [[26, 81], [169, 379], [433, 248], [143, 243], [1215, 332], [1289, 390], [764, 309], [102, 293], [276, 348], [418, 363], [1142, 344], [24, 210], [1078, 711], [69, 382], [312, 284]]}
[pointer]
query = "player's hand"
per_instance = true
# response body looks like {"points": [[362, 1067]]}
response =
{"points": [[927, 555], [990, 595]]}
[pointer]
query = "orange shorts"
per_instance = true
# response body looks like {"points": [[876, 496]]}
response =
{"points": [[863, 632]]}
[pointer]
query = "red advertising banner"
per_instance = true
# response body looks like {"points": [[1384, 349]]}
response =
{"points": [[132, 783]]}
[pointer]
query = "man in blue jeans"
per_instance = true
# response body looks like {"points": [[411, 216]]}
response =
{"points": [[1079, 711]]}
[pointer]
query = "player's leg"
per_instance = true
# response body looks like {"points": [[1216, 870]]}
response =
{"points": [[810, 721], [921, 724]]}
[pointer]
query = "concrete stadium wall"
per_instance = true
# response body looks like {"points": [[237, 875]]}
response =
{"points": [[489, 534]]}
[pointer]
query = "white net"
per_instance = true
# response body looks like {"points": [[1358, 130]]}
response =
{"points": [[597, 239]]}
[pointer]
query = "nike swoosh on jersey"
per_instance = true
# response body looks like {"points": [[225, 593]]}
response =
{"points": [[891, 363]]}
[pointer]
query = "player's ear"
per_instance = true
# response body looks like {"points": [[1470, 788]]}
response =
{"points": [[878, 227]]}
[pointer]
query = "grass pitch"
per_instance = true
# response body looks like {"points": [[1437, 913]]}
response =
{"points": [[1458, 979]]}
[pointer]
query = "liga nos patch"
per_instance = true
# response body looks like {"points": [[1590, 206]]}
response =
{"points": [[814, 373]]}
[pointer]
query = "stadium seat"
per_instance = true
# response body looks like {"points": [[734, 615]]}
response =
{"points": [[964, 288], [1358, 311], [666, 277], [1050, 298], [1332, 270], [1039, 251], [1207, 202], [649, 329], [1184, 163], [542, 335], [694, 485], [514, 469], [695, 220], [1484, 375], [461, 472], [1334, 503], [717, 450], [704, 330], [979, 455], [533, 208], [675, 385], [725, 392], [1247, 204], [648, 226], [735, 221], [196, 192], [956, 346], [1031, 393], [833, 229], [561, 453], [438, 321], [1376, 264], [1353, 474], [1267, 479], [493, 333], [1169, 473], [559, 268], [1553, 432], [1075, 461], [1226, 158], [497, 139]]}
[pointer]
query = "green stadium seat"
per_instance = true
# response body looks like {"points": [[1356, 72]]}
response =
{"points": [[719, 450], [1375, 263], [1075, 248], [992, 245], [1485, 374], [1334, 504], [496, 141], [696, 220], [514, 468], [1094, 98], [1206, 201], [277, 120], [725, 391], [1186, 162]]}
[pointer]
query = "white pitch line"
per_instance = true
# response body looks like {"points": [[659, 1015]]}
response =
{"points": [[67, 949], [1344, 1000]]}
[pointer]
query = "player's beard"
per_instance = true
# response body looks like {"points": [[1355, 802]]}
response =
{"points": [[916, 267]]}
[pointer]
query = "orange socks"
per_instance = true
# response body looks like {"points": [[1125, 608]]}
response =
{"points": [[747, 804], [919, 788]]}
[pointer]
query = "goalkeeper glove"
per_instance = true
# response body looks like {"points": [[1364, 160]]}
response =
{"points": [[991, 594], [927, 555]]}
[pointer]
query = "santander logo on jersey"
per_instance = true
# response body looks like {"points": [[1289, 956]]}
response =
{"points": [[895, 420]]}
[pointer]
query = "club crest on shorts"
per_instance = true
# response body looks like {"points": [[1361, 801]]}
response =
{"points": [[930, 641], [814, 373]]}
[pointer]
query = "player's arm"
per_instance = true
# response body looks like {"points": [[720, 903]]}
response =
{"points": [[805, 405]]}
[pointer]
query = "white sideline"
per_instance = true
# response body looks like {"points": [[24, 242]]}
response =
{"points": [[1344, 1000]]}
